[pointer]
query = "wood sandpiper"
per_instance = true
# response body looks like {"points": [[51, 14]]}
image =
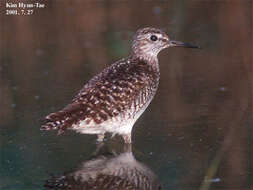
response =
{"points": [[114, 99]]}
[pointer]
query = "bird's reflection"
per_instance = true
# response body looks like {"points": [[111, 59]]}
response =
{"points": [[108, 170]]}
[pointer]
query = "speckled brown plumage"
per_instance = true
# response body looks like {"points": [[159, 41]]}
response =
{"points": [[114, 99]]}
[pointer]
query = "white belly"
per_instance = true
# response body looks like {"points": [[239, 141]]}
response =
{"points": [[121, 124]]}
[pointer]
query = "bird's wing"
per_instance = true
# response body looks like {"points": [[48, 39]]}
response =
{"points": [[105, 96]]}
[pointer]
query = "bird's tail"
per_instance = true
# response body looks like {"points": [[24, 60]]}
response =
{"points": [[63, 119], [54, 122]]}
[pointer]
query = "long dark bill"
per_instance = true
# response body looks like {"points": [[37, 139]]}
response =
{"points": [[182, 44]]}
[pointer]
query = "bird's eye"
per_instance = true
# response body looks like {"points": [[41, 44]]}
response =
{"points": [[153, 38]]}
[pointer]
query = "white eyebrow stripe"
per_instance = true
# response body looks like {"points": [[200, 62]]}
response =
{"points": [[160, 36]]}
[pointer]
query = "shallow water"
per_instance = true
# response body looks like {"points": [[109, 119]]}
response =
{"points": [[197, 132]]}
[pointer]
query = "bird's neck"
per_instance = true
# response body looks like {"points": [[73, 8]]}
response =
{"points": [[149, 56], [145, 52], [149, 60]]}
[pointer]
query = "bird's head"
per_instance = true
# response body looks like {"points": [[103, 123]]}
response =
{"points": [[148, 42]]}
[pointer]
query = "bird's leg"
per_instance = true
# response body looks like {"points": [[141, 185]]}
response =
{"points": [[100, 137], [100, 143], [127, 147], [127, 138]]}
